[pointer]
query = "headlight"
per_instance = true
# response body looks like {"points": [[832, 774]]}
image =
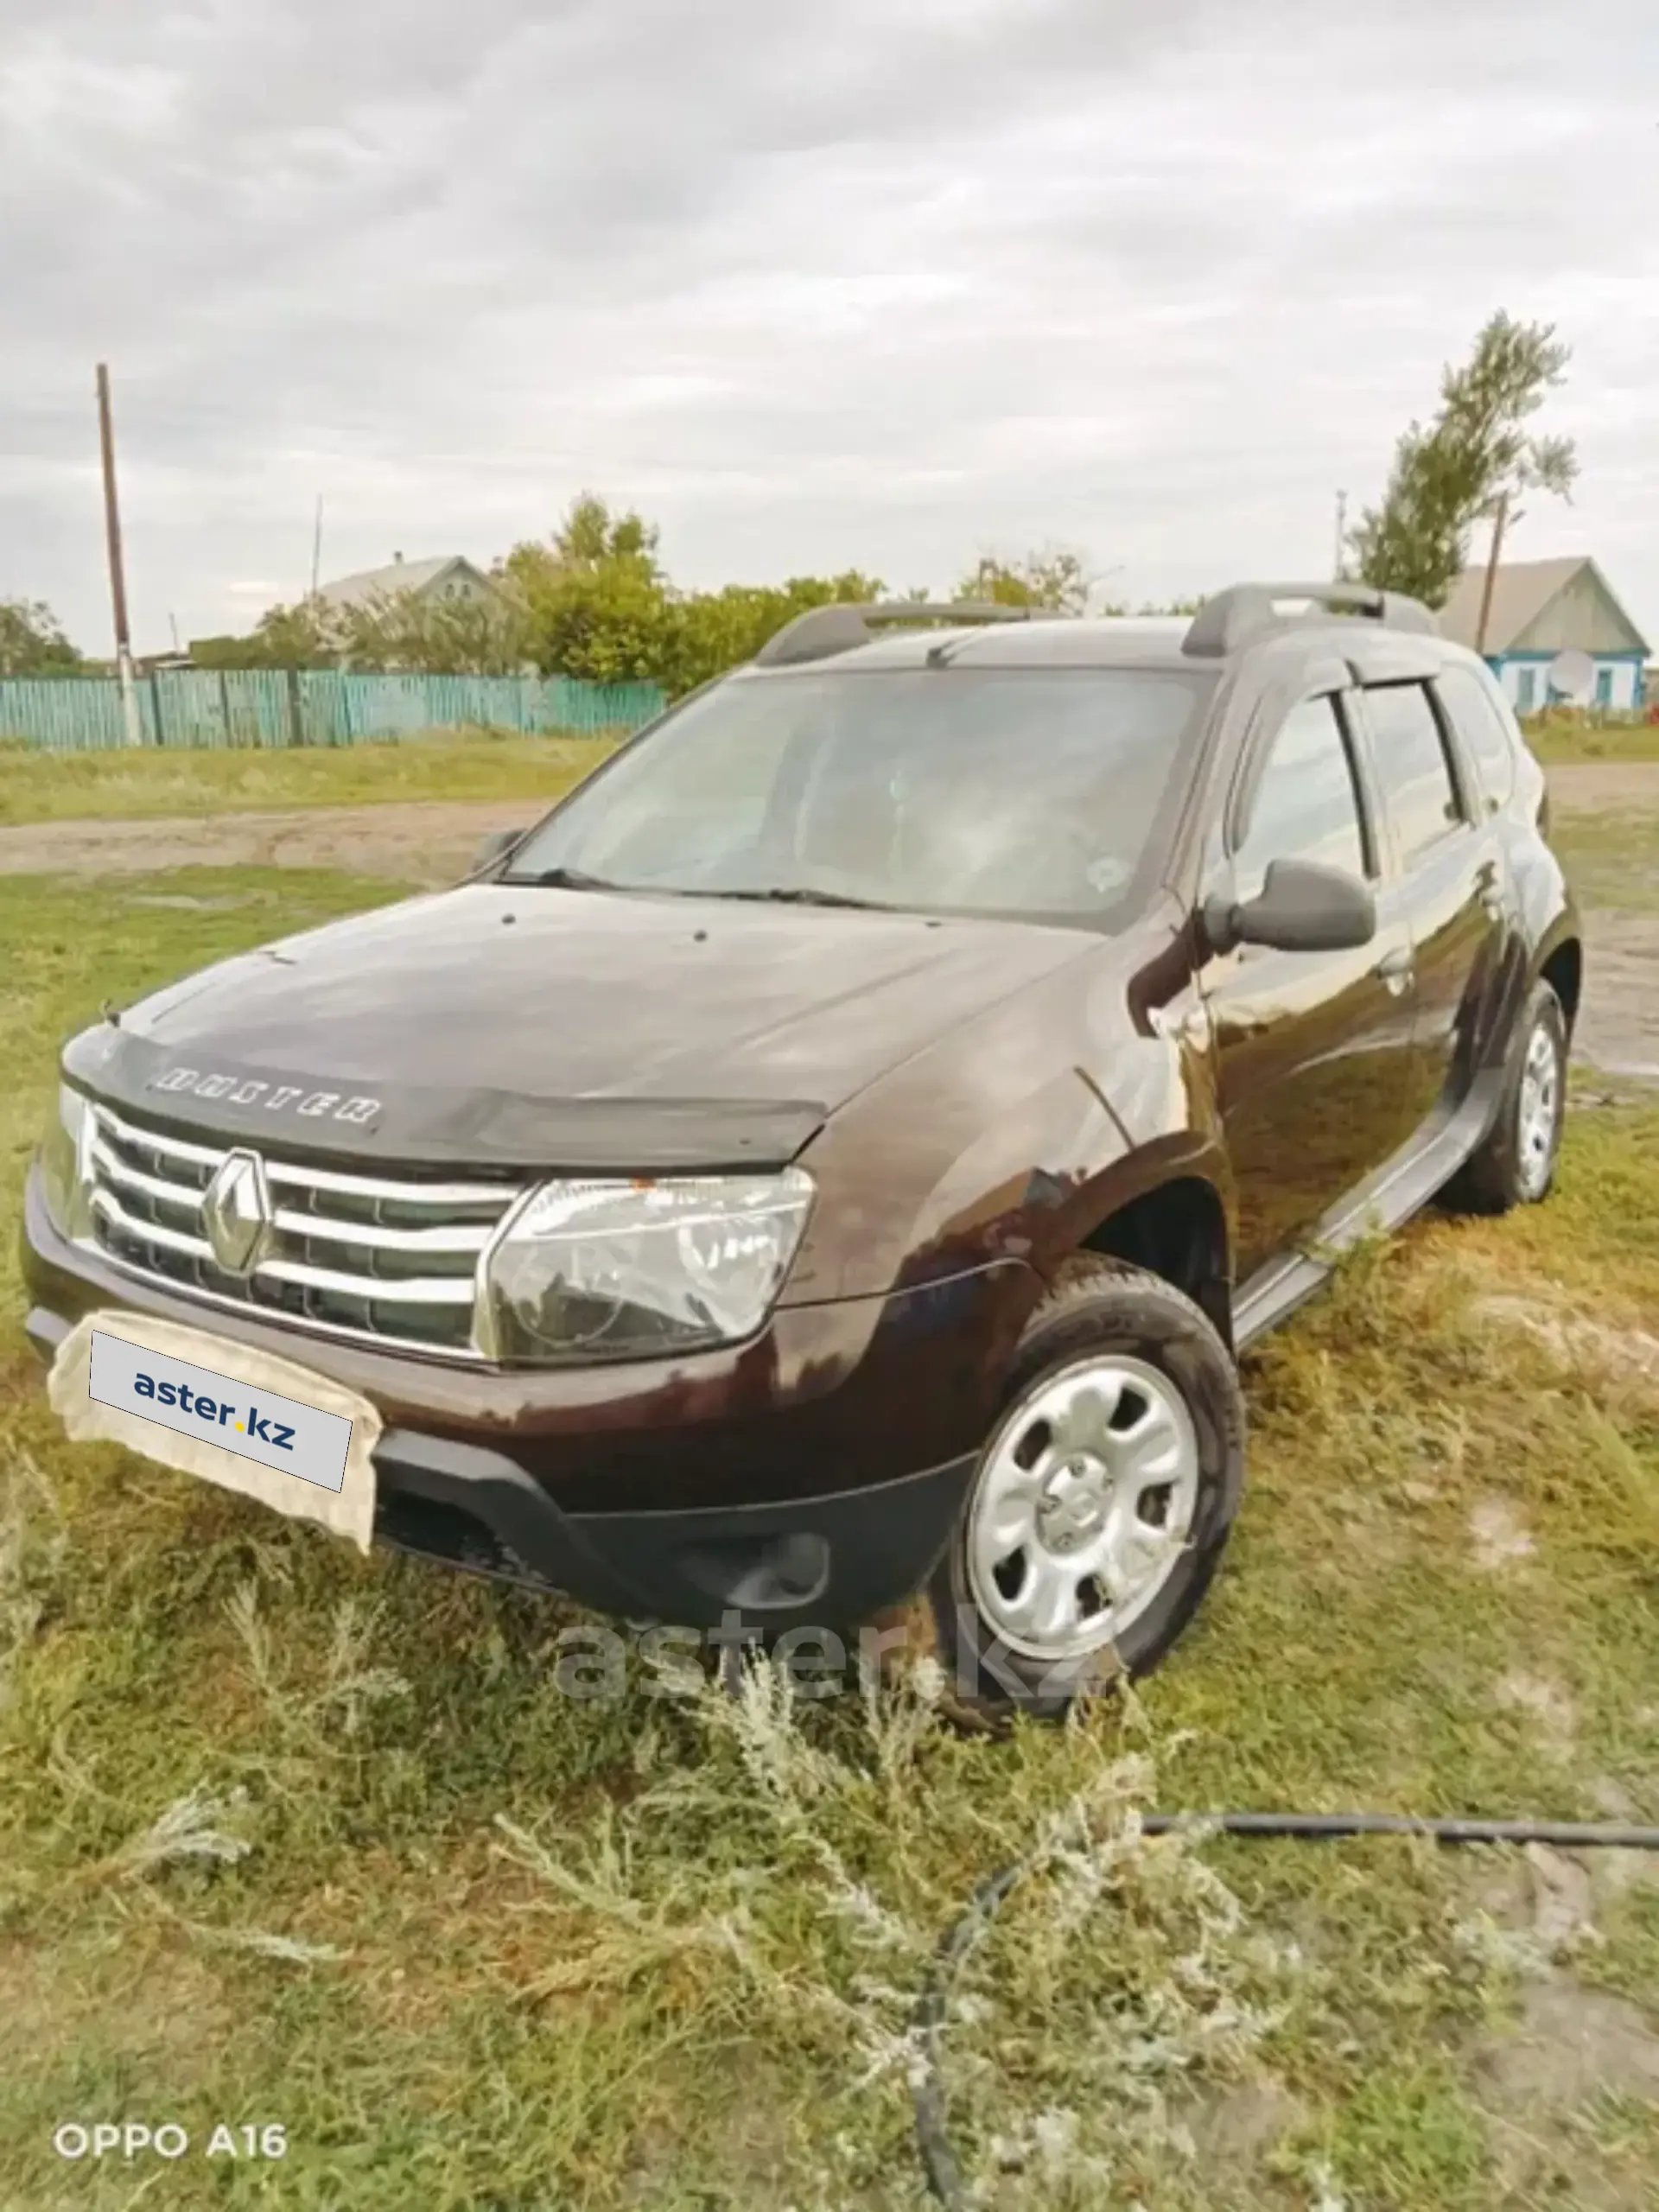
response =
{"points": [[608, 1270], [64, 1164]]}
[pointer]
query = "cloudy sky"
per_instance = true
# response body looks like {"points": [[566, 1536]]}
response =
{"points": [[890, 283]]}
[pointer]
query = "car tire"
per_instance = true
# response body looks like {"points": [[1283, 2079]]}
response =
{"points": [[1515, 1164], [1140, 1402]]}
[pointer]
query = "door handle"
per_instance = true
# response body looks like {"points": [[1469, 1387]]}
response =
{"points": [[1396, 969]]}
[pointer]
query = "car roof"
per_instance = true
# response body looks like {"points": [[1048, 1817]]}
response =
{"points": [[1379, 633], [1152, 643], [1067, 641], [1355, 622]]}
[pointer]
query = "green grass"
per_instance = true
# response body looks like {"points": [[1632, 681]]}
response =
{"points": [[489, 1945], [135, 785], [1558, 737], [1612, 859]]}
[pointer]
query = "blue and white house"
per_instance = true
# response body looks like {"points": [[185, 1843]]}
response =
{"points": [[1541, 608]]}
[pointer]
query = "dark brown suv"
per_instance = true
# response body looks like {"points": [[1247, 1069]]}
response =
{"points": [[835, 1157]]}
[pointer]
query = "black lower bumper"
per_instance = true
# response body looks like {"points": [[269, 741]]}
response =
{"points": [[830, 1561]]}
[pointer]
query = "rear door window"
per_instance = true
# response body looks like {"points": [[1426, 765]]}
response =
{"points": [[1412, 771]]}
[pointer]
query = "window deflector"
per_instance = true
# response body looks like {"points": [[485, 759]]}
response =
{"points": [[1319, 679]]}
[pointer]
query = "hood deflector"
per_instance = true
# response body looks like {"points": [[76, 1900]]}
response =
{"points": [[299, 1113]]}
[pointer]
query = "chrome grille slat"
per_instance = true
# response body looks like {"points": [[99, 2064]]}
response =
{"points": [[440, 1196], [333, 1229], [150, 1140], [385, 1290], [106, 1205], [402, 1191], [333, 1261], [152, 1186]]}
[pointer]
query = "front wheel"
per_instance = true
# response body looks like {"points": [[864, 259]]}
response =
{"points": [[1102, 1499]]}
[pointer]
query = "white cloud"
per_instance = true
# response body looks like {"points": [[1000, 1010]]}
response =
{"points": [[890, 284]]}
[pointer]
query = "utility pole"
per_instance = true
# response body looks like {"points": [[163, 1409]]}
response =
{"points": [[1341, 561], [117, 575], [1499, 519], [316, 548]]}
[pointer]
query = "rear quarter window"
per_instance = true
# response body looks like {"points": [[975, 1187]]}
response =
{"points": [[1409, 759], [1483, 725]]}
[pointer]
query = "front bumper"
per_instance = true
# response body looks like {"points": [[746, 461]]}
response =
{"points": [[811, 1476]]}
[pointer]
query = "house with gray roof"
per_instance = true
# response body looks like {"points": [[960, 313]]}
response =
{"points": [[445, 577], [1539, 609]]}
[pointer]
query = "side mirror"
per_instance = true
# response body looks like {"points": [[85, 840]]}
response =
{"points": [[1303, 906], [491, 846]]}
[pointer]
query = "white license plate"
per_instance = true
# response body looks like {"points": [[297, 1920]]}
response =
{"points": [[213, 1406]]}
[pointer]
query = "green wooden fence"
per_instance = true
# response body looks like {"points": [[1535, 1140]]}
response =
{"points": [[277, 707]]}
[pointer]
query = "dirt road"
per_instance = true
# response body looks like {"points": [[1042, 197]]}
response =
{"points": [[432, 843], [426, 842]]}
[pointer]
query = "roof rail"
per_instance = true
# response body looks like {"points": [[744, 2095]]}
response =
{"points": [[1222, 623], [839, 628]]}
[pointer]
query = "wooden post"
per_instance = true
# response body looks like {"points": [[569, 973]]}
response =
{"points": [[155, 703], [1487, 589], [296, 719], [117, 568]]}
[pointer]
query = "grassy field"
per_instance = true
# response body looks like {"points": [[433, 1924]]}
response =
{"points": [[443, 765], [288, 1838], [1561, 736], [1614, 858]]}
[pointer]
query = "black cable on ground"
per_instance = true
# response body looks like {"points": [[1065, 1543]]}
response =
{"points": [[939, 2160]]}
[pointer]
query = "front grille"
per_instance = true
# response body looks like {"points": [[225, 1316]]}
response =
{"points": [[384, 1261]]}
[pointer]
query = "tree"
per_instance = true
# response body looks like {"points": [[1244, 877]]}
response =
{"points": [[590, 534], [392, 630], [593, 601], [709, 631], [1051, 579], [1471, 462], [436, 637], [305, 635], [32, 642]]}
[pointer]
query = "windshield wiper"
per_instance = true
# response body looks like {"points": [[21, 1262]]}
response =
{"points": [[566, 879], [799, 895], [576, 878]]}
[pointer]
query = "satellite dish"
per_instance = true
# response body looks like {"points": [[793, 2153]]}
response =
{"points": [[1571, 676]]}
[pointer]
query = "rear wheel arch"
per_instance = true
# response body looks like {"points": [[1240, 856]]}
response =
{"points": [[1562, 968]]}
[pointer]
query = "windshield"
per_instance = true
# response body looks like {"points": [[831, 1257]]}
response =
{"points": [[997, 791]]}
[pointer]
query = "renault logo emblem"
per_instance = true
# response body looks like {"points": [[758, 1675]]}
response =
{"points": [[236, 1212]]}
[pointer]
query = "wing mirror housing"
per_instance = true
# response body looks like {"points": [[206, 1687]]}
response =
{"points": [[491, 846], [1303, 906]]}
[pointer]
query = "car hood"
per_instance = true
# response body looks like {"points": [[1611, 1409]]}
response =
{"points": [[528, 1026]]}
